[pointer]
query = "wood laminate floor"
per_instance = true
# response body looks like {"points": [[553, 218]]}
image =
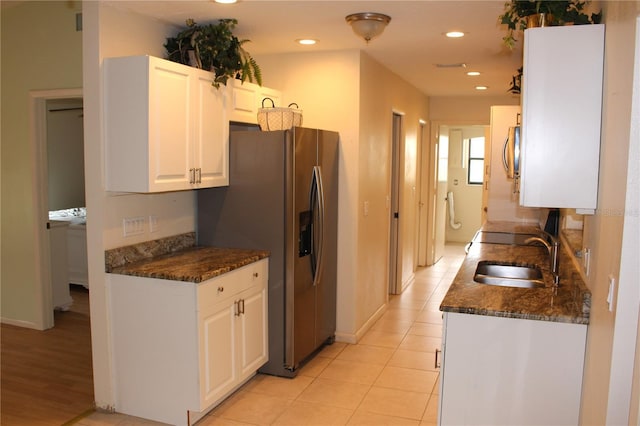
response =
{"points": [[46, 376]]}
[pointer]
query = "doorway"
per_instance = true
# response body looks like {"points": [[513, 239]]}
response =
{"points": [[446, 179], [57, 184]]}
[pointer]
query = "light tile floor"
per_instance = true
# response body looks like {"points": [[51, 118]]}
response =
{"points": [[388, 378]]}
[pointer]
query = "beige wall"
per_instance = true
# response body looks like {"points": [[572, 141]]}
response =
{"points": [[466, 109], [348, 92], [312, 81], [31, 60], [382, 94], [610, 339]]}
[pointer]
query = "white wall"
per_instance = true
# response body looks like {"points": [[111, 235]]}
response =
{"points": [[611, 340]]}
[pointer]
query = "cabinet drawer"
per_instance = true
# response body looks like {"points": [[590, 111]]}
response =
{"points": [[232, 283]]}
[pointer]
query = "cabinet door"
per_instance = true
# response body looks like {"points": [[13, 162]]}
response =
{"points": [[170, 121], [77, 259], [246, 98], [562, 101], [166, 127], [501, 371], [210, 133], [218, 369], [253, 335]]}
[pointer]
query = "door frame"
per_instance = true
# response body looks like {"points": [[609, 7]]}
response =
{"points": [[432, 181], [395, 228], [38, 141], [423, 167]]}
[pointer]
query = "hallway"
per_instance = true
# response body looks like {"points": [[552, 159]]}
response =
{"points": [[388, 378]]}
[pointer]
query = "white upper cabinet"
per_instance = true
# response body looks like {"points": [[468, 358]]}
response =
{"points": [[561, 116], [246, 98], [166, 127]]}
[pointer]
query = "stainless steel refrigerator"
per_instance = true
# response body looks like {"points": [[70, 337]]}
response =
{"points": [[283, 197]]}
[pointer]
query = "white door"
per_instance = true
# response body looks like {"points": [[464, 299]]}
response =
{"points": [[424, 153], [442, 172], [394, 260]]}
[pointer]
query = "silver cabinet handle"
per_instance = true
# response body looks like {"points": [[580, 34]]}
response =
{"points": [[236, 308], [437, 364], [199, 175]]}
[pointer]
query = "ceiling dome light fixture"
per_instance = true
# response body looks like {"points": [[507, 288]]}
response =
{"points": [[306, 41], [368, 25], [225, 1], [454, 34], [473, 73]]}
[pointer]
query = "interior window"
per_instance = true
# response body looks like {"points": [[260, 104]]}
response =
{"points": [[475, 171]]}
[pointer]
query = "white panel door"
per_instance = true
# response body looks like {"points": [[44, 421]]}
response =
{"points": [[210, 133], [253, 333], [170, 118], [218, 352]]}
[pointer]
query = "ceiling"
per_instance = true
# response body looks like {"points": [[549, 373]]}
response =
{"points": [[411, 46]]}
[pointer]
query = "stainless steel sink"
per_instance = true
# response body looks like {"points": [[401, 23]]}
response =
{"points": [[508, 275]]}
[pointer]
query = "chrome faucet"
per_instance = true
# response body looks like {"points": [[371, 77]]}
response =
{"points": [[553, 248]]}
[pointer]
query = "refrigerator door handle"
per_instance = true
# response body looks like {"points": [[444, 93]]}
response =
{"points": [[316, 197]]}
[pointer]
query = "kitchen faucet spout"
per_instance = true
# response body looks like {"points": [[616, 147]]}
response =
{"points": [[553, 248]]}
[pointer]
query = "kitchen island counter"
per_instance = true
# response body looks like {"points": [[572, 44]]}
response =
{"points": [[569, 302]]}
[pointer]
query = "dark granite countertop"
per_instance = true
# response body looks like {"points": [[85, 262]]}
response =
{"points": [[178, 259], [570, 302]]}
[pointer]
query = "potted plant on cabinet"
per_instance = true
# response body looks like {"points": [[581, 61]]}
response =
{"points": [[213, 47], [521, 14]]}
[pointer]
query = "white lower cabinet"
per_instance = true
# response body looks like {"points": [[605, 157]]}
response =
{"points": [[77, 255], [180, 348], [233, 341], [507, 371]]}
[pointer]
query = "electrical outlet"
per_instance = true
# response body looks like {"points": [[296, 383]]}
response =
{"points": [[612, 291], [133, 226], [153, 223], [586, 260]]}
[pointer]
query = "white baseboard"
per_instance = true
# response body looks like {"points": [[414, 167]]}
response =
{"points": [[353, 338], [20, 323]]}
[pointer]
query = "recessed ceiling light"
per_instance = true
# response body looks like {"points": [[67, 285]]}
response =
{"points": [[225, 1], [481, 87], [306, 41], [458, 65], [473, 73], [454, 34]]}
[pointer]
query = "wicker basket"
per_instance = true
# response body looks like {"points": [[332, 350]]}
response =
{"points": [[274, 118]]}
